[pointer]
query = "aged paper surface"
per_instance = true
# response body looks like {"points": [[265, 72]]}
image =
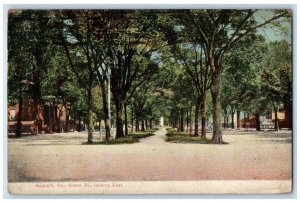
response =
{"points": [[154, 187], [48, 160], [56, 154]]}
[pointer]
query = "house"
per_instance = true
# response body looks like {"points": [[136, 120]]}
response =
{"points": [[51, 118]]}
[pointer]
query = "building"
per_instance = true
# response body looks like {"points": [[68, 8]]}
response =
{"points": [[51, 118]]}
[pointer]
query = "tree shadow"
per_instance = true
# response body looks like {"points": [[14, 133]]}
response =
{"points": [[50, 139], [281, 141]]}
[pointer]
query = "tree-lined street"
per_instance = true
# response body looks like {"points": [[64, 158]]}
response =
{"points": [[213, 85], [134, 66]]}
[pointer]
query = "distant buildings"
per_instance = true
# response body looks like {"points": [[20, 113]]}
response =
{"points": [[50, 118]]}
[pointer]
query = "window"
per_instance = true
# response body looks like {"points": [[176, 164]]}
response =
{"points": [[12, 115]]}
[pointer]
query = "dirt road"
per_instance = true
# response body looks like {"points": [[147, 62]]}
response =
{"points": [[62, 157]]}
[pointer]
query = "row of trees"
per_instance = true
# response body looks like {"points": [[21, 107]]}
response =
{"points": [[262, 84], [202, 41], [147, 60], [109, 49], [254, 81]]}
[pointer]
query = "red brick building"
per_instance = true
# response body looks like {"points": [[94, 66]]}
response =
{"points": [[284, 120], [51, 118]]}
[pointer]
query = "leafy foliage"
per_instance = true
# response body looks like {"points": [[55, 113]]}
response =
{"points": [[159, 61]]}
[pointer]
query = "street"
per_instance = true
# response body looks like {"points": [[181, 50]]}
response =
{"points": [[248, 155]]}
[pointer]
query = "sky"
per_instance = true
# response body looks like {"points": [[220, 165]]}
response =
{"points": [[273, 34]]}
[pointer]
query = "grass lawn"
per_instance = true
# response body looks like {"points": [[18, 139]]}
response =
{"points": [[131, 138], [123, 140], [180, 137], [140, 134]]}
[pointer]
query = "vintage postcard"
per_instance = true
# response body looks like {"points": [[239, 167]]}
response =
{"points": [[143, 101]]}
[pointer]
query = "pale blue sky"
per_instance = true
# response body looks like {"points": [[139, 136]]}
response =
{"points": [[272, 33]]}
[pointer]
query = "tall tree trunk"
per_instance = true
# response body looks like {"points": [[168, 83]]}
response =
{"points": [[90, 116], [197, 116], [107, 121], [50, 118], [227, 125], [99, 125], [143, 125], [257, 121], [137, 124], [119, 123], [190, 120], [151, 125], [57, 129], [187, 120], [238, 121], [132, 119], [146, 124], [276, 117], [53, 118], [79, 125], [126, 121], [67, 119], [232, 119], [203, 118], [181, 120], [215, 93], [90, 125], [60, 127], [18, 132], [74, 124]]}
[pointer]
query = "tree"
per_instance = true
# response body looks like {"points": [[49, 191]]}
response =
{"points": [[60, 89], [177, 93], [241, 79], [41, 48], [129, 56], [30, 43], [196, 68], [18, 64], [277, 78], [218, 32], [139, 105], [190, 54], [77, 36], [115, 45]]}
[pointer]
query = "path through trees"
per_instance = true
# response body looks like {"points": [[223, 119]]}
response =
{"points": [[178, 64]]}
